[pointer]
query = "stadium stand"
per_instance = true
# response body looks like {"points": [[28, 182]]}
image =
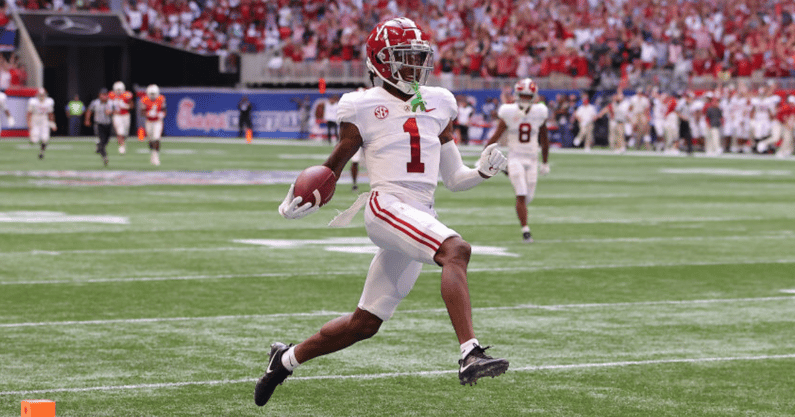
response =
{"points": [[609, 42]]}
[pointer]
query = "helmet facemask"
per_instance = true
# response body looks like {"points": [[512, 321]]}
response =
{"points": [[524, 101], [408, 64], [525, 92]]}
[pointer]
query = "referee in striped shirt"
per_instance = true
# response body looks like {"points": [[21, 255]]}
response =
{"points": [[101, 109]]}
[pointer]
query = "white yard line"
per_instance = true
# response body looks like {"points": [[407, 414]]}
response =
{"points": [[529, 268], [403, 374], [422, 311], [781, 235]]}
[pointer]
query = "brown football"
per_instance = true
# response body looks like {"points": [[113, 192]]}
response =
{"points": [[316, 183]]}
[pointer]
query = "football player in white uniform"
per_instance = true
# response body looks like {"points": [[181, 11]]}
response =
{"points": [[41, 119], [526, 124], [406, 132], [4, 107]]}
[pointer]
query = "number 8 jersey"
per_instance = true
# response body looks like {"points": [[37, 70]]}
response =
{"points": [[400, 142], [523, 128]]}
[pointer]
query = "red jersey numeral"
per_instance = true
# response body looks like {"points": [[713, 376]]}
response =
{"points": [[524, 132], [414, 165]]}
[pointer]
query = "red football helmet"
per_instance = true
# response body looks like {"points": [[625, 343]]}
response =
{"points": [[397, 44], [525, 91]]}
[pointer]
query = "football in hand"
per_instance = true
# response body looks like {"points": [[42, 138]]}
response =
{"points": [[315, 185]]}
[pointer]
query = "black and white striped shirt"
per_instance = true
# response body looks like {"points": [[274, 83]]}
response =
{"points": [[99, 111]]}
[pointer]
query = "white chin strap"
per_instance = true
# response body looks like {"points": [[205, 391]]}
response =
{"points": [[401, 85]]}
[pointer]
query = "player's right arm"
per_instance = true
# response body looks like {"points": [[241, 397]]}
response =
{"points": [[29, 113], [89, 113], [501, 128], [350, 142]]}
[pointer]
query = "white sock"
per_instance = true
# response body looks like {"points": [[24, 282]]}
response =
{"points": [[467, 347], [525, 228], [288, 359]]}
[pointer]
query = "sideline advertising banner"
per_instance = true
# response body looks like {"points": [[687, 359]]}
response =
{"points": [[196, 112], [17, 104], [284, 114]]}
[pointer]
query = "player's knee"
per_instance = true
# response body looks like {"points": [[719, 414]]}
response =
{"points": [[365, 325], [454, 250]]}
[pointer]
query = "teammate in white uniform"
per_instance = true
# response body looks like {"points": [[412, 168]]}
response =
{"points": [[640, 108], [586, 116], [617, 111], [764, 111], [406, 132], [526, 124], [4, 107], [41, 119]]}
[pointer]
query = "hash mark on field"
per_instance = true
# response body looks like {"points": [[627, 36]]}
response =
{"points": [[402, 374], [422, 311]]}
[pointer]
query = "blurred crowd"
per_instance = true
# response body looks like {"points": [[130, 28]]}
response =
{"points": [[732, 118], [12, 72], [497, 38]]}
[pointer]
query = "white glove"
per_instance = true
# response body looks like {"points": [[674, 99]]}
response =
{"points": [[491, 161], [10, 120], [543, 169], [290, 209], [53, 127]]}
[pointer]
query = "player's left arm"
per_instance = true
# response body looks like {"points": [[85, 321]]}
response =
{"points": [[543, 140], [350, 142], [458, 177]]}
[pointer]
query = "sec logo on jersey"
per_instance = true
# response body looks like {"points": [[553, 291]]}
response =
{"points": [[381, 112]]}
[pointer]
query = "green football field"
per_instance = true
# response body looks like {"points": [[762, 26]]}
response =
{"points": [[656, 286]]}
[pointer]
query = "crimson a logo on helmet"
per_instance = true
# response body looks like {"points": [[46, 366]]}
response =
{"points": [[381, 112]]}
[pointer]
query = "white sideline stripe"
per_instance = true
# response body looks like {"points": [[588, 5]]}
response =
{"points": [[401, 374], [784, 235], [422, 311], [364, 271]]}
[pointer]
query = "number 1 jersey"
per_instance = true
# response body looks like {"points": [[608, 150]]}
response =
{"points": [[400, 141]]}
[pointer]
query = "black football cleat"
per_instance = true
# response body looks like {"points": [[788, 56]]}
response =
{"points": [[527, 237], [477, 365], [274, 375]]}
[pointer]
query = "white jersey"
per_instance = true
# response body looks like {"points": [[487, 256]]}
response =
{"points": [[621, 111], [586, 114], [330, 111], [523, 128], [764, 107], [40, 109], [659, 109], [738, 108], [3, 102], [640, 105], [401, 145]]}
